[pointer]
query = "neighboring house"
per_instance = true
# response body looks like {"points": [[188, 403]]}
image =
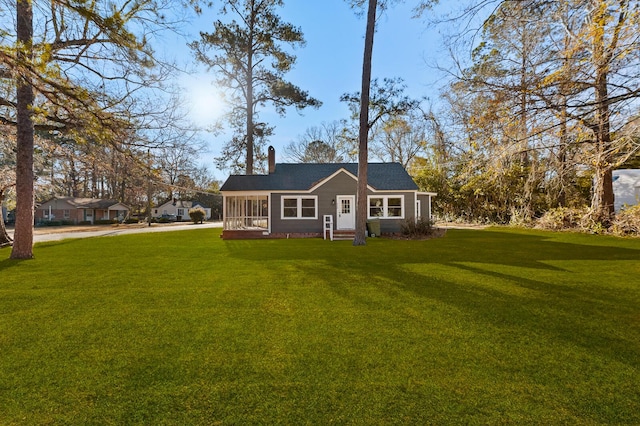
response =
{"points": [[626, 188], [77, 210], [179, 210], [296, 200]]}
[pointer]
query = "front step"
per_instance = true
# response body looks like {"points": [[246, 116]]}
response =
{"points": [[344, 235]]}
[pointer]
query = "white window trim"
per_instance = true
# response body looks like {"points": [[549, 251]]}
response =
{"points": [[385, 206], [299, 199]]}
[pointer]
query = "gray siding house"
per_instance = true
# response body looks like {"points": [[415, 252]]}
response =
{"points": [[314, 200]]}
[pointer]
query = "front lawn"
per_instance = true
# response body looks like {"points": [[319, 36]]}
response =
{"points": [[179, 328]]}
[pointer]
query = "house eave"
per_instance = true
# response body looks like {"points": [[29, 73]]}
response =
{"points": [[246, 192]]}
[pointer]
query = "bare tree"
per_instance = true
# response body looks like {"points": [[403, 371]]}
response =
{"points": [[85, 65], [401, 139], [319, 144]]}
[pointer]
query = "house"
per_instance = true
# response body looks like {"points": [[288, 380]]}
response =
{"points": [[626, 188], [179, 210], [80, 210], [304, 200]]}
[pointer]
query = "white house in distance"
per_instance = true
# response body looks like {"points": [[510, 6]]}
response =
{"points": [[626, 188], [178, 210]]}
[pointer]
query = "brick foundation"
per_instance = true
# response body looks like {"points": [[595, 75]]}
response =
{"points": [[259, 235]]}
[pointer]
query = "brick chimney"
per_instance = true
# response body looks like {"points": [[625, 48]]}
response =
{"points": [[272, 159]]}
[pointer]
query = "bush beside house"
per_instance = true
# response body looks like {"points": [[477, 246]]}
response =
{"points": [[197, 214]]}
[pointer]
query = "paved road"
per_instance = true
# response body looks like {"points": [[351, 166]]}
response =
{"points": [[42, 234]]}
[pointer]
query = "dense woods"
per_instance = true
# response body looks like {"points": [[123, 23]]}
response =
{"points": [[543, 113]]}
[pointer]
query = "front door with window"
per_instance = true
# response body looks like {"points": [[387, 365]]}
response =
{"points": [[346, 212]]}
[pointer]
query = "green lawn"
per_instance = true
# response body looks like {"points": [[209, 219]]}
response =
{"points": [[479, 327]]}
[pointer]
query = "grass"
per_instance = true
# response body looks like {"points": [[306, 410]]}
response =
{"points": [[480, 327]]}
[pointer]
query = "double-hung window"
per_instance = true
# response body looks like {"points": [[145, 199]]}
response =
{"points": [[300, 207], [386, 206]]}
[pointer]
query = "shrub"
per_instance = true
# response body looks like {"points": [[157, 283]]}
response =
{"points": [[416, 229], [131, 220], [562, 218], [105, 221], [197, 214], [627, 222], [49, 223]]}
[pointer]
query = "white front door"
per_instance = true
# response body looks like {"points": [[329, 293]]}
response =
{"points": [[346, 212]]}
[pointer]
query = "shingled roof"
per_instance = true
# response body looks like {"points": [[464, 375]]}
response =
{"points": [[87, 203], [302, 177]]}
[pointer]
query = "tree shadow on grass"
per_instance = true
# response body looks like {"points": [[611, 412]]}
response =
{"points": [[522, 286], [469, 246]]}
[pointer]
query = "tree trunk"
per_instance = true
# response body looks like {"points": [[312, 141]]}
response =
{"points": [[363, 134], [250, 125], [23, 243], [249, 83], [5, 239], [602, 201], [561, 168]]}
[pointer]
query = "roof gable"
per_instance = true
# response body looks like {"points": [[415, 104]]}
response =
{"points": [[179, 204], [333, 175], [305, 177]]}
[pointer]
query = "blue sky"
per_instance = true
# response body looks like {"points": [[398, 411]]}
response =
{"points": [[330, 64]]}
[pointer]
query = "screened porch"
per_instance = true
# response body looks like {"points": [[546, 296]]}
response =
{"points": [[246, 212]]}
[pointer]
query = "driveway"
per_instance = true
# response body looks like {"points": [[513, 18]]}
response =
{"points": [[61, 233]]}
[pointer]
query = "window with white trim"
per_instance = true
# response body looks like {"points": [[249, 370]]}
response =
{"points": [[303, 207], [386, 206], [66, 213]]}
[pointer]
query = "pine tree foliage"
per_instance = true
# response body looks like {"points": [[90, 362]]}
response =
{"points": [[249, 57]]}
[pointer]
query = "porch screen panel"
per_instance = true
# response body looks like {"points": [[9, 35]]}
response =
{"points": [[246, 212]]}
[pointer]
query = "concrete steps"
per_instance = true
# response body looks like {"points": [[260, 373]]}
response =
{"points": [[344, 235]]}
